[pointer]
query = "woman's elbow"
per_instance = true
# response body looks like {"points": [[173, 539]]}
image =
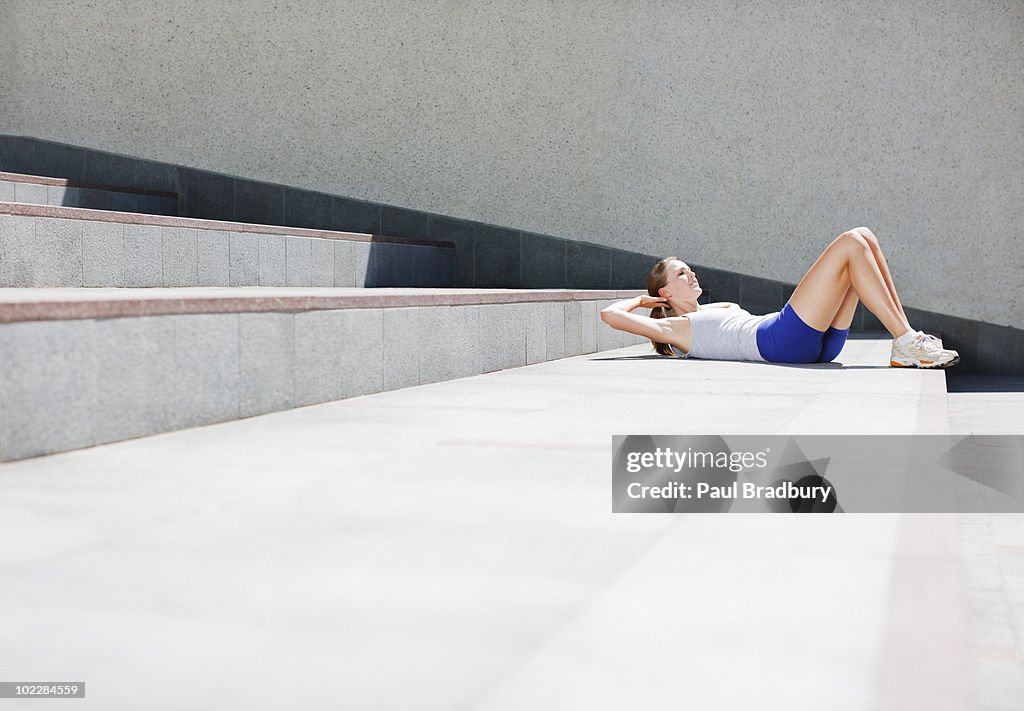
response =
{"points": [[614, 319]]}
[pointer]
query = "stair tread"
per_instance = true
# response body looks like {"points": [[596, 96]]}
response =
{"points": [[141, 218], [59, 303], [67, 182]]}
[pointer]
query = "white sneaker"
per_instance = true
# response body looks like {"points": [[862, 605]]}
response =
{"points": [[930, 337], [923, 352]]}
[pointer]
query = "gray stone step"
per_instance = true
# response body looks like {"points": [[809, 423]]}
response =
{"points": [[469, 524], [47, 246], [80, 367], [41, 190]]}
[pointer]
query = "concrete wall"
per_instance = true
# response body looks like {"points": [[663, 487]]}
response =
{"points": [[738, 135], [10, 94]]}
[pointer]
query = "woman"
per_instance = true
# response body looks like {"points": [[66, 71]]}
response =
{"points": [[811, 328]]}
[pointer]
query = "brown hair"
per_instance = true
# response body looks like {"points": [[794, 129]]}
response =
{"points": [[655, 280]]}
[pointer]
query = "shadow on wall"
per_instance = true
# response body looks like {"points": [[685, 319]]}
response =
{"points": [[484, 256], [409, 265]]}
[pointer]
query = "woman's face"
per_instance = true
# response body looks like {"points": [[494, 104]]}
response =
{"points": [[682, 284]]}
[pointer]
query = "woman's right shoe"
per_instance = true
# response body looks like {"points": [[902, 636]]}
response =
{"points": [[922, 352], [930, 337]]}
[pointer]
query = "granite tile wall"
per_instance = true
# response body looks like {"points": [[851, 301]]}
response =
{"points": [[40, 252], [77, 383]]}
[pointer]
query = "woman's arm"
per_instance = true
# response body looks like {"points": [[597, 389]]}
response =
{"points": [[619, 316]]}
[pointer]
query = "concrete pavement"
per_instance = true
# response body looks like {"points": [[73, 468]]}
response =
{"points": [[451, 546]]}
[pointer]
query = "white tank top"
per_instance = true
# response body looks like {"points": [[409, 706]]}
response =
{"points": [[723, 334]]}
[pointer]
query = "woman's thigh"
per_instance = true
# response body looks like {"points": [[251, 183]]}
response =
{"points": [[821, 292], [832, 344]]}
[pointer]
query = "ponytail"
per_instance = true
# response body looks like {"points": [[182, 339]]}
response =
{"points": [[662, 312], [655, 280]]}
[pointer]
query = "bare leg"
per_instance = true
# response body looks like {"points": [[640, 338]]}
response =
{"points": [[847, 310], [847, 262], [844, 316], [883, 266]]}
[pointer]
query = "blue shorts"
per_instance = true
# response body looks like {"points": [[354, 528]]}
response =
{"points": [[785, 338]]}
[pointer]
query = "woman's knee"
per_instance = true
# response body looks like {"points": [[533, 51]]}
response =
{"points": [[866, 234], [854, 239]]}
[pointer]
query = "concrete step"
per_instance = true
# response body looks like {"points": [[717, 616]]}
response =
{"points": [[80, 367], [467, 526], [47, 246], [41, 190]]}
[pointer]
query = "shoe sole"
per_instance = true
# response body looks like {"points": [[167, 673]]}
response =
{"points": [[930, 366]]}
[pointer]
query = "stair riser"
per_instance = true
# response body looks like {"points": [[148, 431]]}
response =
{"points": [[71, 384], [54, 252], [91, 198]]}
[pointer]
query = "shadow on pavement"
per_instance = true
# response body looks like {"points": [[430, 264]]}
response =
{"points": [[979, 383]]}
